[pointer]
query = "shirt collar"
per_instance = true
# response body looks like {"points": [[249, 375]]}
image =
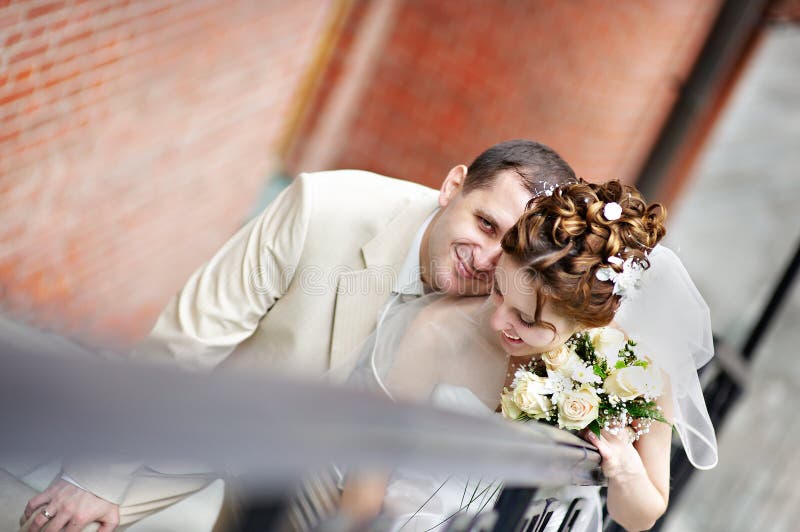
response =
{"points": [[409, 279]]}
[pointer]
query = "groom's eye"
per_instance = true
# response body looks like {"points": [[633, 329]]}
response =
{"points": [[486, 225]]}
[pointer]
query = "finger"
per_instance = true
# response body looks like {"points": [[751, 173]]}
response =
{"points": [[35, 502], [110, 520], [58, 522], [22, 522], [38, 523], [602, 445], [107, 527]]}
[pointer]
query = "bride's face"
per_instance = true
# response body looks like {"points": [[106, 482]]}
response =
{"points": [[514, 296]]}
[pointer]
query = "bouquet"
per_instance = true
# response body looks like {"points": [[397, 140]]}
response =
{"points": [[596, 380]]}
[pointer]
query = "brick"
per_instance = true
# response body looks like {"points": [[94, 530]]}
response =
{"points": [[13, 39], [76, 37], [59, 25], [29, 53], [8, 20], [9, 136], [36, 32], [46, 9], [61, 79], [14, 96]]}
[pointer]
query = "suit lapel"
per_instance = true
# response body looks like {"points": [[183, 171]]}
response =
{"points": [[361, 294]]}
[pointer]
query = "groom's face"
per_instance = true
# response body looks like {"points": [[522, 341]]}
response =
{"points": [[463, 244]]}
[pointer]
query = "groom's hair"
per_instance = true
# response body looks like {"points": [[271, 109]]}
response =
{"points": [[540, 168]]}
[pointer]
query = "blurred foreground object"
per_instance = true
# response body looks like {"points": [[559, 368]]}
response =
{"points": [[268, 431]]}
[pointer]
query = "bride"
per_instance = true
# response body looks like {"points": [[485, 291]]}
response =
{"points": [[585, 256]]}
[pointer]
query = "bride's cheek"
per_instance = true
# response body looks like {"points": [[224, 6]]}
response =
{"points": [[543, 336]]}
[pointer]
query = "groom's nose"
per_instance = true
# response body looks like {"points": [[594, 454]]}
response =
{"points": [[487, 257]]}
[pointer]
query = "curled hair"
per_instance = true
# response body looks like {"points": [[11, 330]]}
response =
{"points": [[562, 240]]}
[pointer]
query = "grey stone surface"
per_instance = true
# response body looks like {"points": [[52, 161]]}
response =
{"points": [[735, 229]]}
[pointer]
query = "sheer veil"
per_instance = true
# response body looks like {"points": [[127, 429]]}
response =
{"points": [[434, 349], [667, 317], [670, 321], [426, 342]]}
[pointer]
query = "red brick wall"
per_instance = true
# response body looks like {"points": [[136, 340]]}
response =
{"points": [[134, 138], [593, 79]]}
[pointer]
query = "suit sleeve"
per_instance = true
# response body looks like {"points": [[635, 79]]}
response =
{"points": [[220, 306], [223, 302]]}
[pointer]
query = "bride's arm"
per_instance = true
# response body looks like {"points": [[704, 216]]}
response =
{"points": [[638, 473], [362, 496]]}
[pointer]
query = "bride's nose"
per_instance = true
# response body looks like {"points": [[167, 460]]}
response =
{"points": [[499, 320]]}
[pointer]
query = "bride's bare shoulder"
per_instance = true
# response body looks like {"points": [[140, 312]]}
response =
{"points": [[447, 305]]}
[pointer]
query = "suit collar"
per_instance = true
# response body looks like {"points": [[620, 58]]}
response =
{"points": [[390, 246]]}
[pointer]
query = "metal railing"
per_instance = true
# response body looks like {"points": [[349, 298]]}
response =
{"points": [[270, 432]]}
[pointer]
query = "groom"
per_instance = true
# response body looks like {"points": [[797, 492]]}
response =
{"points": [[299, 288]]}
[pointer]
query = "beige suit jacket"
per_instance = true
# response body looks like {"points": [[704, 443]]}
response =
{"points": [[295, 291]]}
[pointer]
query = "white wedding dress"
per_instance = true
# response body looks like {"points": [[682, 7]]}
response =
{"points": [[422, 354], [434, 349]]}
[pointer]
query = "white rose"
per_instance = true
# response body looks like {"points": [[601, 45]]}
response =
{"points": [[629, 383], [530, 395], [560, 359], [578, 408], [508, 406], [607, 343]]}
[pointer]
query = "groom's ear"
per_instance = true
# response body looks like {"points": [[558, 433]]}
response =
{"points": [[453, 183]]}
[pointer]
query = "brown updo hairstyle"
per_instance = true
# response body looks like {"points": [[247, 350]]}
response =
{"points": [[562, 240]]}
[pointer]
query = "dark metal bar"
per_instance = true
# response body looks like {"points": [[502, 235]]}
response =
{"points": [[735, 24], [511, 506], [779, 294]]}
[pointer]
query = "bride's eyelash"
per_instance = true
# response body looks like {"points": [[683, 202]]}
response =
{"points": [[526, 323]]}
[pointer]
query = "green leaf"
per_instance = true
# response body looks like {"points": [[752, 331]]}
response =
{"points": [[642, 363], [599, 371], [620, 364], [595, 427]]}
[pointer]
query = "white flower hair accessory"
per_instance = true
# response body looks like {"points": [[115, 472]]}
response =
{"points": [[626, 282], [612, 211]]}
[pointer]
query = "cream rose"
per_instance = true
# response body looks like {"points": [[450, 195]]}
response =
{"points": [[607, 343], [635, 381], [508, 406], [562, 360], [578, 408], [530, 395]]}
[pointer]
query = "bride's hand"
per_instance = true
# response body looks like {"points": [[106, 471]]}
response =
{"points": [[620, 459]]}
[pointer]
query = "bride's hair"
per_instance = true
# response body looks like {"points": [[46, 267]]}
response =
{"points": [[562, 240]]}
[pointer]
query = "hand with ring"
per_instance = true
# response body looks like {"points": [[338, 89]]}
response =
{"points": [[64, 505]]}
